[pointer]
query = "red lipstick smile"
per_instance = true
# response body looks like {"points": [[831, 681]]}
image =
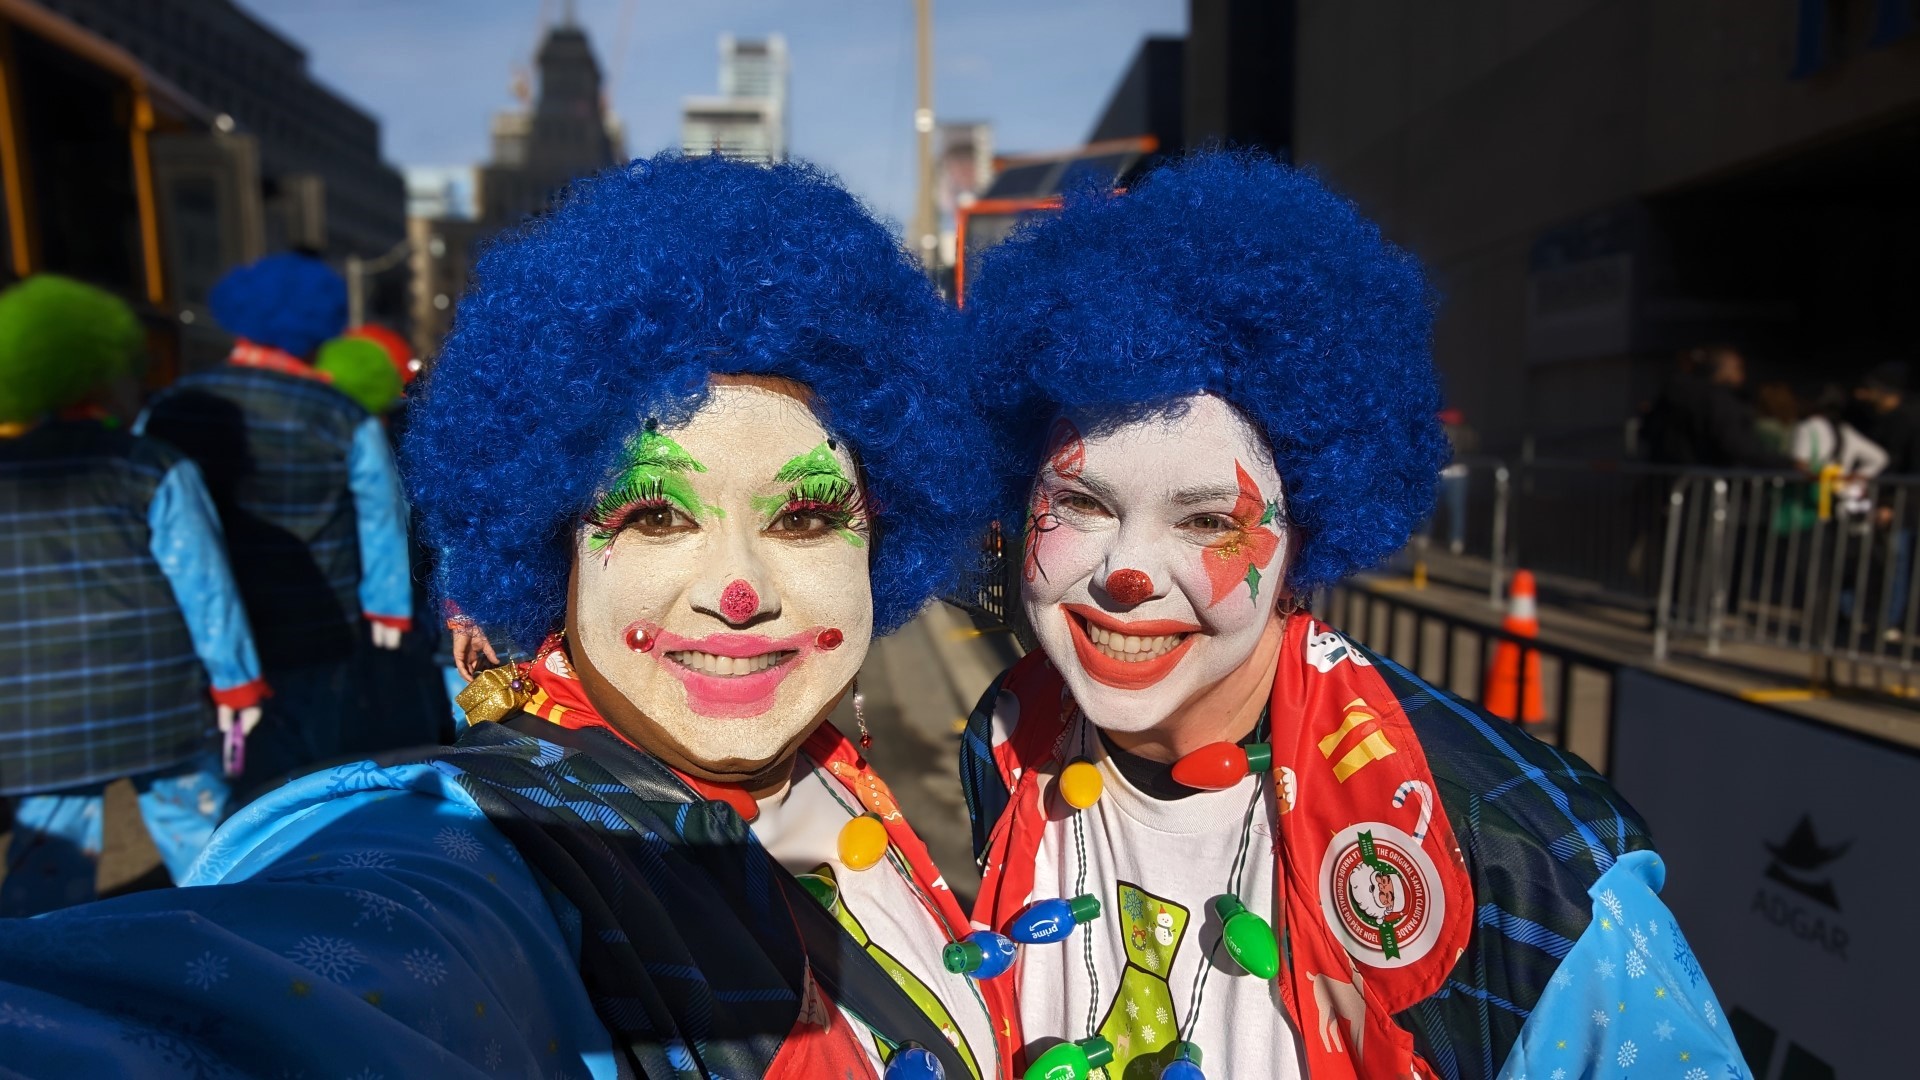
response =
{"points": [[1127, 655], [730, 676]]}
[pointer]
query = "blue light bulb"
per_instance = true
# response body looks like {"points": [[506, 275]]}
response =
{"points": [[982, 955], [914, 1062], [1050, 920], [1185, 1064]]}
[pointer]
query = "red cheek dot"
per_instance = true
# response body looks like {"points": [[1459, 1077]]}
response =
{"points": [[639, 640], [829, 639], [1129, 587], [738, 602]]}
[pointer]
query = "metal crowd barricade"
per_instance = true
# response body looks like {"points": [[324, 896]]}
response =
{"points": [[1822, 566]]}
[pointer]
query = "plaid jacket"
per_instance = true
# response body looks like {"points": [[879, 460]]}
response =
{"points": [[98, 674], [275, 450], [1537, 827], [696, 947]]}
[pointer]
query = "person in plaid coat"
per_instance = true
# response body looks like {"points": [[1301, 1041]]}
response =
{"points": [[309, 495], [119, 610], [1215, 394]]}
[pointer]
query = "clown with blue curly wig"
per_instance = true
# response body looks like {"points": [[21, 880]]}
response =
{"points": [[1214, 396], [693, 442]]}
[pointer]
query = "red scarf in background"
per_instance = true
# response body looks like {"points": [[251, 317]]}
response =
{"points": [[249, 354]]}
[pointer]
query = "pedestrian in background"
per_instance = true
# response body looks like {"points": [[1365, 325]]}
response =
{"points": [[1701, 419], [1777, 411], [305, 482], [120, 608], [1885, 413], [1455, 478]]}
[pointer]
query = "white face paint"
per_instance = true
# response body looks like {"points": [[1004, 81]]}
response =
{"points": [[1156, 552], [722, 581]]}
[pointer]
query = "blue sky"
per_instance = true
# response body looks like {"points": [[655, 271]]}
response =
{"points": [[434, 71]]}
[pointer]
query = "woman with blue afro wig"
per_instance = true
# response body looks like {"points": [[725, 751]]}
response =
{"points": [[1214, 394]]}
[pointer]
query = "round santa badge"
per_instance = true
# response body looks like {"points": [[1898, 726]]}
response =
{"points": [[1378, 890]]}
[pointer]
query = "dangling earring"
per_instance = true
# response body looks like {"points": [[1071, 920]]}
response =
{"points": [[860, 717], [1291, 605]]}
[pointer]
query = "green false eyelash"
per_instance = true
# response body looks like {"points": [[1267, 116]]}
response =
{"points": [[656, 470], [816, 477]]}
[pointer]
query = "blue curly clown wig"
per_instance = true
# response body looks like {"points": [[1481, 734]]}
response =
{"points": [[618, 305], [1227, 273], [289, 302]]}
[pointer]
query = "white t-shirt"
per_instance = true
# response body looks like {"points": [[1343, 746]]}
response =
{"points": [[800, 827], [1156, 866]]}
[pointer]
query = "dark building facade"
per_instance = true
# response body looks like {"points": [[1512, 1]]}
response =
{"points": [[564, 135], [1151, 97], [1239, 74], [324, 184], [1598, 183]]}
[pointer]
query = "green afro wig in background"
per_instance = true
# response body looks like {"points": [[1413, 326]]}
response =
{"points": [[363, 371], [60, 340]]}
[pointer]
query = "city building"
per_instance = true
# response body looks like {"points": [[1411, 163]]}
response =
{"points": [[747, 121], [322, 182], [1596, 185], [563, 133]]}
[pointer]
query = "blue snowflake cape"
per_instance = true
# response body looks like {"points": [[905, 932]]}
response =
{"points": [[1554, 983], [535, 898]]}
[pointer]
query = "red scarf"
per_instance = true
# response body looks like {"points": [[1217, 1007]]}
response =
{"points": [[561, 699], [1364, 812], [249, 354]]}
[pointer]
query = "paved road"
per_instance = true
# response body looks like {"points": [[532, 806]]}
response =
{"points": [[917, 684]]}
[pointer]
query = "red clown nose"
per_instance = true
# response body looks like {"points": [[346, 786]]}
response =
{"points": [[738, 602], [1130, 587]]}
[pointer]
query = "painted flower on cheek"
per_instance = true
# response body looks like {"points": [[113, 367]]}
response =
{"points": [[1236, 558]]}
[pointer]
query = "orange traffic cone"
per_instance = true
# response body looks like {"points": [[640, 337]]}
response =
{"points": [[1504, 678]]}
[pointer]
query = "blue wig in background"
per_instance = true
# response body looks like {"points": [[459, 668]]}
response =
{"points": [[617, 306], [287, 302], [1229, 273]]}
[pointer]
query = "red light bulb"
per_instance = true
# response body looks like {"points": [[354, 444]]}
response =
{"points": [[1219, 766]]}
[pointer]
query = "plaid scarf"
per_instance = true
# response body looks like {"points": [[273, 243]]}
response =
{"points": [[668, 878]]}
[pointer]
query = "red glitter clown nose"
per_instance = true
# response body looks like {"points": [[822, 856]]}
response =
{"points": [[738, 602], [1130, 587]]}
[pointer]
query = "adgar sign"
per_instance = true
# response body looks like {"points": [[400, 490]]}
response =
{"points": [[1783, 838]]}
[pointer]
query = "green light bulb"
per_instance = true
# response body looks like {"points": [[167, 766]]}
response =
{"points": [[1248, 938], [1071, 1061]]}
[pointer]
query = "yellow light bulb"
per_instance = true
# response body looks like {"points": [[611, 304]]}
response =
{"points": [[1080, 784], [863, 842]]}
